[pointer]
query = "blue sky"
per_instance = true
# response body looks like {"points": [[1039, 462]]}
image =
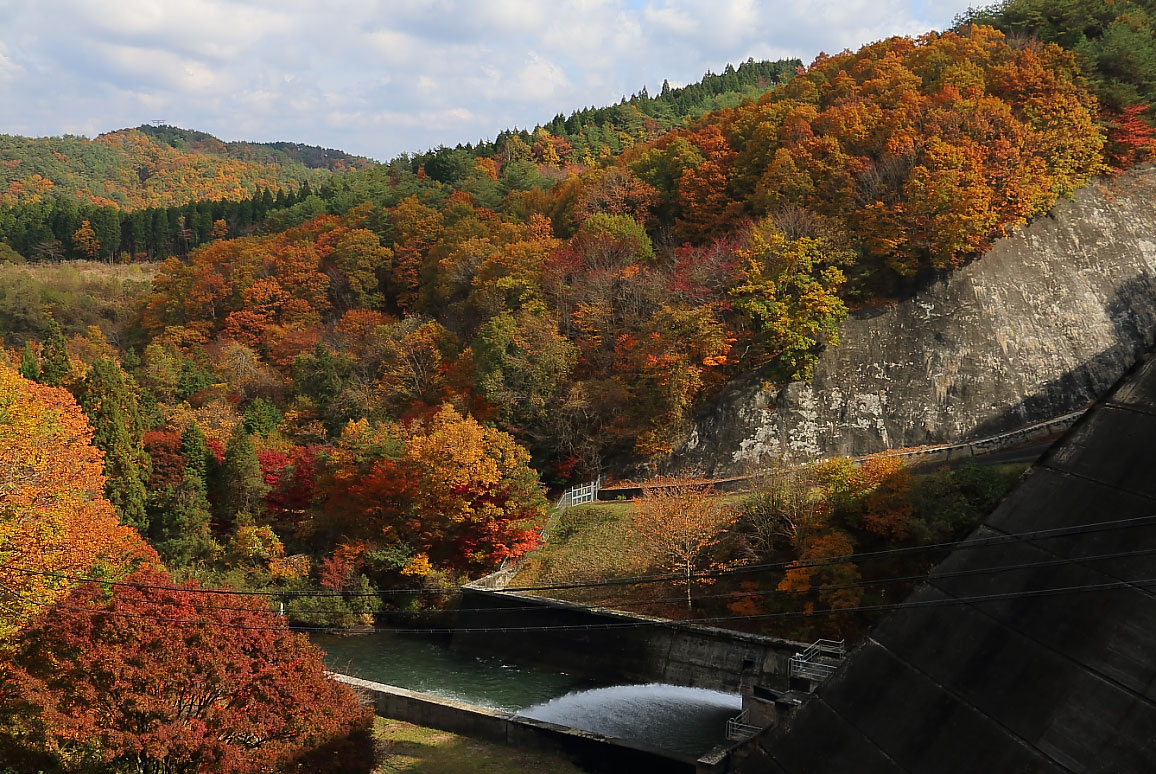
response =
{"points": [[379, 78]]}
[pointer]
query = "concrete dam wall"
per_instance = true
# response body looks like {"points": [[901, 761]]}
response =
{"points": [[1038, 327], [612, 646]]}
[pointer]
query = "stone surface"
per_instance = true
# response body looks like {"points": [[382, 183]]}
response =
{"points": [[1040, 326]]}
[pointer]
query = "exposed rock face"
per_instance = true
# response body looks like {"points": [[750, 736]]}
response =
{"points": [[1041, 325]]}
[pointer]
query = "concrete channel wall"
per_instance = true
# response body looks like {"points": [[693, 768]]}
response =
{"points": [[610, 646], [593, 752]]}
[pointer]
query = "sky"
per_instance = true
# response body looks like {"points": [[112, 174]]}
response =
{"points": [[381, 77]]}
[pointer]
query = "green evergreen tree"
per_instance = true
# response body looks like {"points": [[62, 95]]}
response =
{"points": [[242, 484], [181, 527], [321, 377], [54, 364], [262, 417], [179, 514], [196, 452], [131, 360], [193, 379], [108, 398], [29, 363]]}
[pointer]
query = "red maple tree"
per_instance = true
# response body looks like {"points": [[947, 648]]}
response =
{"points": [[174, 680]]}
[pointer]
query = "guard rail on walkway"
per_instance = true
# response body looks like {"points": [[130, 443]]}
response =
{"points": [[806, 662]]}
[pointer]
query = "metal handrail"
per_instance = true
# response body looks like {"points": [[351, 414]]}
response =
{"points": [[739, 728], [811, 669], [804, 662], [836, 648]]}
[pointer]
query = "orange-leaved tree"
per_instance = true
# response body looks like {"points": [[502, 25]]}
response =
{"points": [[53, 514], [478, 499], [822, 573], [676, 523]]}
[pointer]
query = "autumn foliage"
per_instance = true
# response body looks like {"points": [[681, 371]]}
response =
{"points": [[454, 492], [680, 521], [591, 318], [173, 680], [824, 524], [53, 514], [361, 392], [911, 154]]}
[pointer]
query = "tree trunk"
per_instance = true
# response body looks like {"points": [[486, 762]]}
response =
{"points": [[688, 604]]}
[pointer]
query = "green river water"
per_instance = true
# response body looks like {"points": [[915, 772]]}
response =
{"points": [[688, 721]]}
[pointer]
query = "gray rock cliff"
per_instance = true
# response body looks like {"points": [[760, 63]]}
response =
{"points": [[1038, 327]]}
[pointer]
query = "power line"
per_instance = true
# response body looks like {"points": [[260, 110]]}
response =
{"points": [[276, 593], [963, 544], [872, 582], [885, 607], [719, 619], [732, 595]]}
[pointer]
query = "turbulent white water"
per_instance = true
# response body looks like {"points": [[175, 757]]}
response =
{"points": [[687, 720]]}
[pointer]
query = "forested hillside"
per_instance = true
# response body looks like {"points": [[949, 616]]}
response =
{"points": [[1114, 42], [134, 169], [579, 316], [146, 193], [350, 383], [620, 295], [593, 134], [155, 191]]}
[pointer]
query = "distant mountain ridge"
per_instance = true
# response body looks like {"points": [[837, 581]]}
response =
{"points": [[157, 190], [280, 153], [158, 166]]}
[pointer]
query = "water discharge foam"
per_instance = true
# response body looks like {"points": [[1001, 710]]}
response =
{"points": [[671, 717]]}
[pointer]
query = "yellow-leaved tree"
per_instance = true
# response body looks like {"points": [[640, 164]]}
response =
{"points": [[478, 500], [54, 519]]}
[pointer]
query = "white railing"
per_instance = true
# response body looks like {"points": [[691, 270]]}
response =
{"points": [[738, 728], [832, 648], [580, 495], [811, 670], [576, 495]]}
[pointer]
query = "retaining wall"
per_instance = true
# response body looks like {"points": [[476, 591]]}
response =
{"points": [[610, 646]]}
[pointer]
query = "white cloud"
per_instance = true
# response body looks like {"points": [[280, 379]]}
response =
{"points": [[168, 69], [395, 46], [377, 77], [8, 69], [538, 80]]}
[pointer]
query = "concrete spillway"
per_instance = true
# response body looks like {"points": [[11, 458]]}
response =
{"points": [[684, 721], [670, 717]]}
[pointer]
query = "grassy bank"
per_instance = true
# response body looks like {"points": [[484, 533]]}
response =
{"points": [[588, 542], [596, 543], [77, 294], [417, 750]]}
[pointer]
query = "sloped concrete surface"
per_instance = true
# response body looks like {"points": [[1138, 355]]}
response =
{"points": [[1029, 680]]}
